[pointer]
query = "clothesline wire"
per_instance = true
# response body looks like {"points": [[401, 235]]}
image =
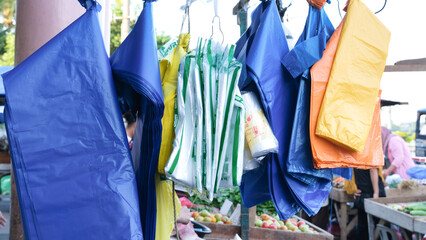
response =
{"points": [[384, 5], [338, 7]]}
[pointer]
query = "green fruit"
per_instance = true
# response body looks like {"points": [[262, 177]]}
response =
{"points": [[220, 222], [304, 228], [199, 219], [290, 226], [207, 219], [218, 217], [204, 213], [276, 217], [258, 222]]}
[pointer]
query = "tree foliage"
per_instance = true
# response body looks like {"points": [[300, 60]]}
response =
{"points": [[8, 8], [7, 32]]}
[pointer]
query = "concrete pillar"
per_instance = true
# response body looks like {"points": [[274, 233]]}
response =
{"points": [[36, 23]]}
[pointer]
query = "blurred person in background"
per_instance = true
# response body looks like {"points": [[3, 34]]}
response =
{"points": [[397, 155]]}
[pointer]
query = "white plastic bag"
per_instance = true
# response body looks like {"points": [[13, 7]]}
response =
{"points": [[259, 134], [234, 158], [181, 167]]}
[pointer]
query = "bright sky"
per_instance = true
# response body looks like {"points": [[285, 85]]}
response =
{"points": [[404, 18]]}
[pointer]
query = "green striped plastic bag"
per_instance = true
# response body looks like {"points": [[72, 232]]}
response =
{"points": [[180, 167], [234, 158]]}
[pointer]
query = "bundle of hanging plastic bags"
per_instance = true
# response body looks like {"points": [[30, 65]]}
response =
{"points": [[325, 153], [209, 121], [347, 109]]}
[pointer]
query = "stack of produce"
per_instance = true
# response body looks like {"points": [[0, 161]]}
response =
{"points": [[415, 209], [291, 224], [206, 216]]}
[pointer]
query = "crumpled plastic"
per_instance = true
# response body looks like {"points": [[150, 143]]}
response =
{"points": [[310, 186], [261, 48], [69, 148], [347, 108], [325, 153], [138, 81]]}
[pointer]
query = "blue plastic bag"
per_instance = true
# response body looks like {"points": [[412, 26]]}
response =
{"points": [[70, 154], [345, 173], [136, 71], [310, 186], [417, 172], [262, 52]]}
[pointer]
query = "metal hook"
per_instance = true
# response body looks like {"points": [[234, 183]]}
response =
{"points": [[187, 5], [220, 28]]}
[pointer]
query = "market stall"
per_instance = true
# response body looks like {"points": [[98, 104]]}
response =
{"points": [[382, 208], [210, 118], [260, 229]]}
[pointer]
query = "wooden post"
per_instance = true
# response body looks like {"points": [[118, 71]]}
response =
{"points": [[245, 223]]}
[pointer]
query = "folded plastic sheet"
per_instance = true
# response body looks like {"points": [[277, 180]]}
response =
{"points": [[348, 106], [310, 186], [138, 81], [277, 92], [327, 154], [72, 163]]}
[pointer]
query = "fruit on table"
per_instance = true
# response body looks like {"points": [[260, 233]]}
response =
{"points": [[206, 216], [258, 222], [273, 226], [218, 217], [265, 217], [291, 224], [204, 213]]}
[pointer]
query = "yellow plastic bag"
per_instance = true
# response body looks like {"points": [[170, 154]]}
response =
{"points": [[169, 68], [165, 219], [348, 106], [350, 186]]}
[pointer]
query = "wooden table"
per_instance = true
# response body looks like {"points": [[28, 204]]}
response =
{"points": [[340, 200], [380, 209]]}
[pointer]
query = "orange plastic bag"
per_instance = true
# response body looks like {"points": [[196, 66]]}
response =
{"points": [[348, 105], [326, 154]]}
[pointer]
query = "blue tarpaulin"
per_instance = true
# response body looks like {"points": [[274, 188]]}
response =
{"points": [[261, 49], [137, 77], [309, 186], [70, 154]]}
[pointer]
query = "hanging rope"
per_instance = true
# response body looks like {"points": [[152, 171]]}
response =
{"points": [[338, 8]]}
